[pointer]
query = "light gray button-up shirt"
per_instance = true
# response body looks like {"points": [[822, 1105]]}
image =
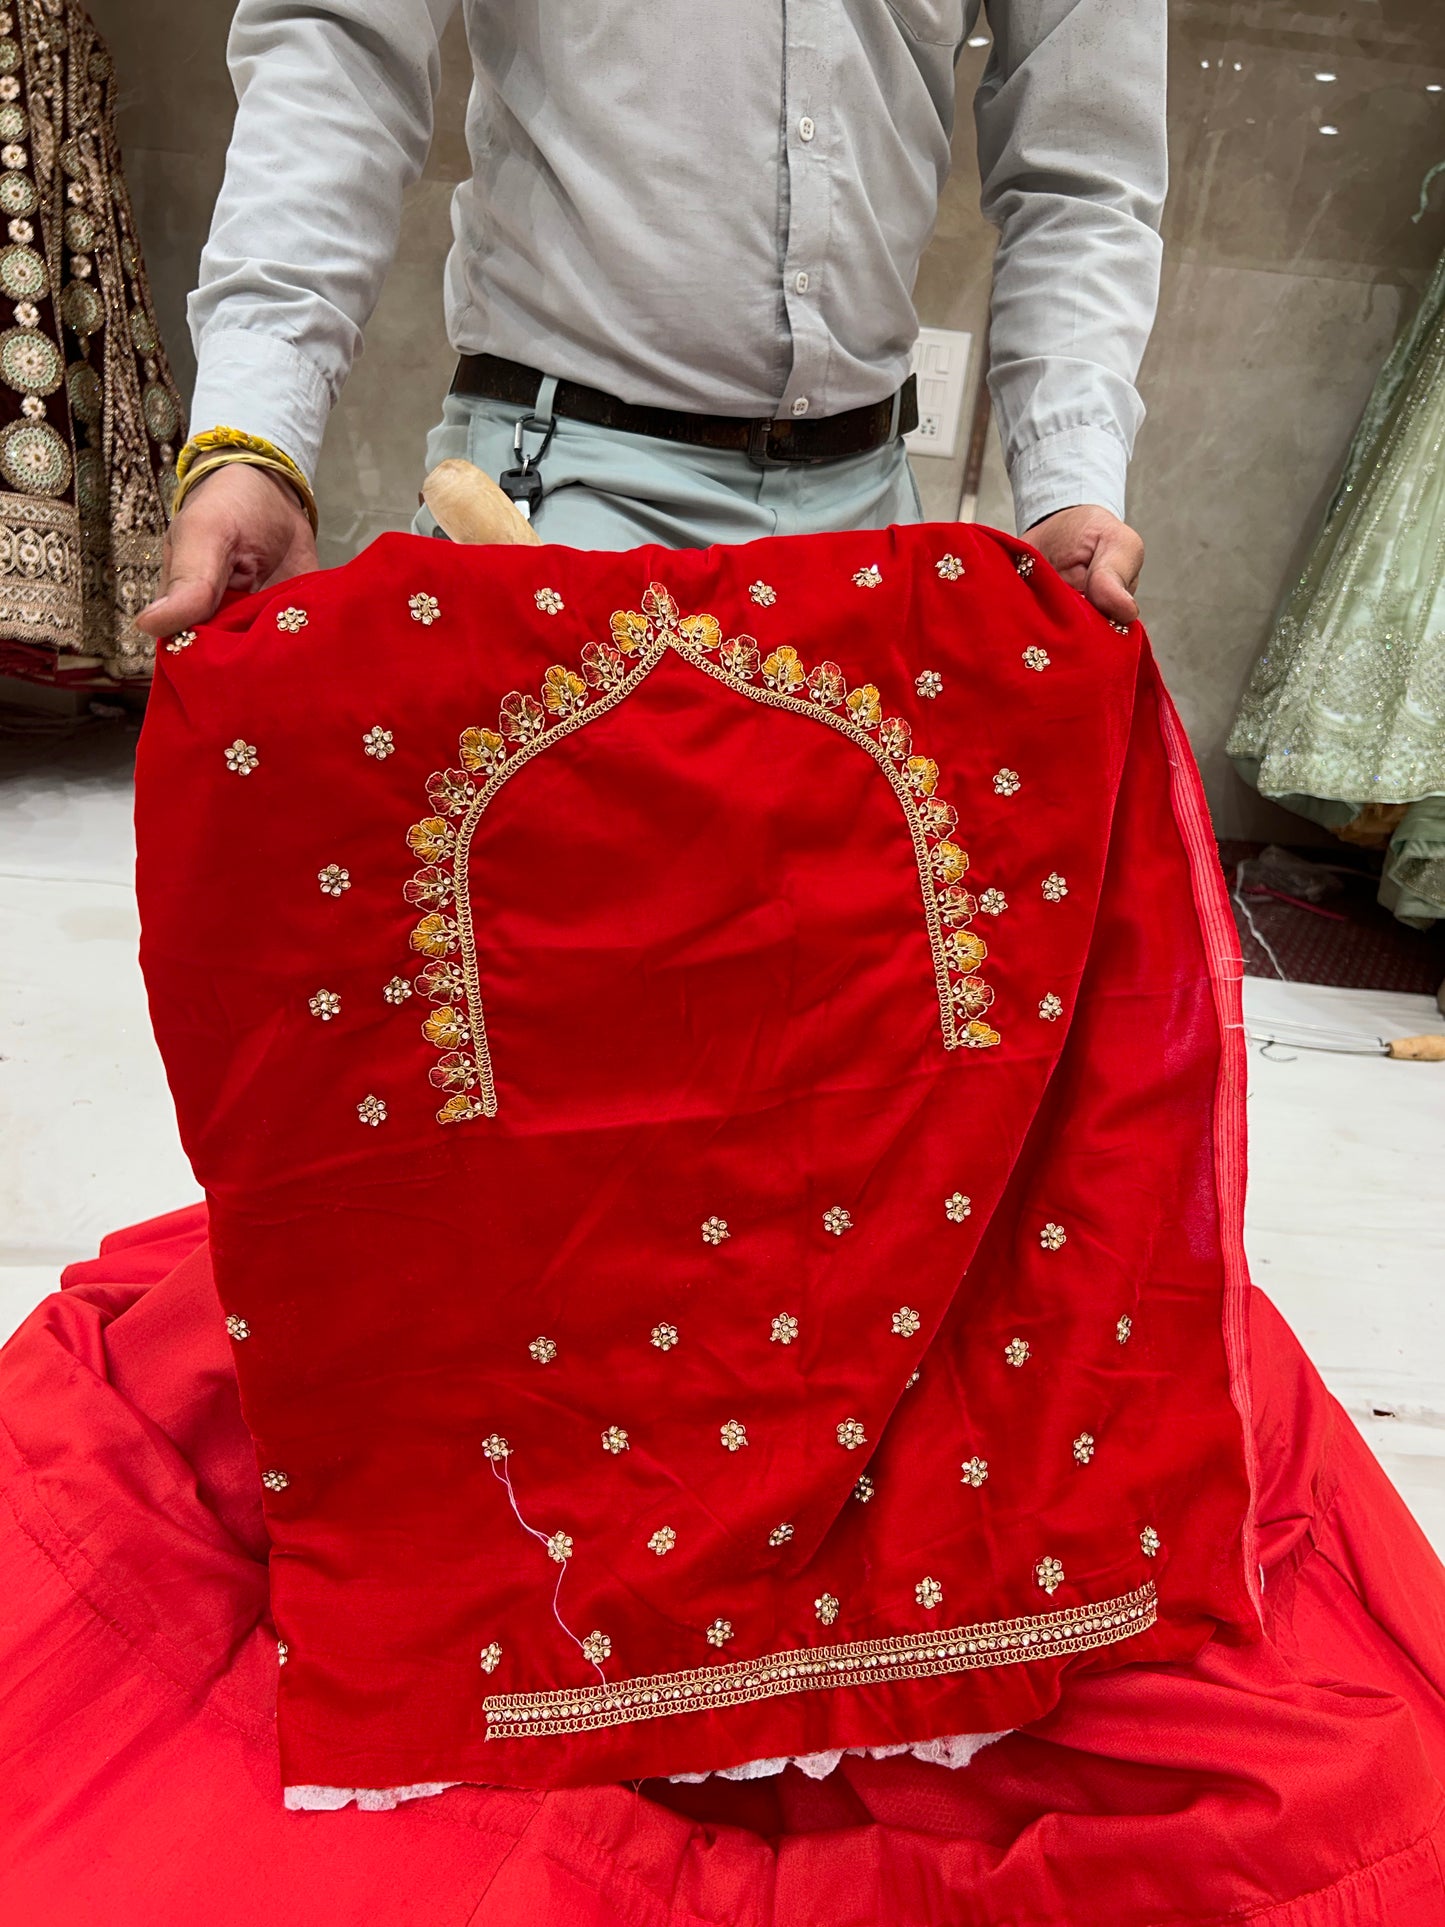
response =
{"points": [[713, 205]]}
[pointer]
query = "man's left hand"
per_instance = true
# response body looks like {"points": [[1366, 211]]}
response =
{"points": [[1095, 553]]}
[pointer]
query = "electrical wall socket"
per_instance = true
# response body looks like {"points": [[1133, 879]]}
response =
{"points": [[941, 358]]}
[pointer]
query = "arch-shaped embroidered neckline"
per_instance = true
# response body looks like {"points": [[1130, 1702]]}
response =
{"points": [[570, 698]]}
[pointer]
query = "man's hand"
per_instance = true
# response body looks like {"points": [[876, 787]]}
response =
{"points": [[240, 528], [1096, 553]]}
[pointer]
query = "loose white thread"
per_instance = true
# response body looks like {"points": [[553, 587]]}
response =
{"points": [[503, 1473]]}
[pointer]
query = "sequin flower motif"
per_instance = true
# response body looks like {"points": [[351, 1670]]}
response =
{"points": [[714, 1230], [837, 1219], [763, 593], [1016, 1351], [1050, 1007], [957, 1207], [973, 1471], [596, 1647], [1024, 563], [283, 1652], [864, 1490], [734, 1435], [241, 757], [559, 1547], [784, 1329], [325, 1005], [928, 1593], [906, 1322], [237, 1328], [929, 684], [993, 903], [291, 621], [1053, 1237], [1084, 1447], [826, 1607], [549, 602], [662, 1541], [664, 1337], [544, 1350], [275, 1480], [614, 1440], [424, 609], [1149, 1542], [378, 742], [372, 1110], [495, 1448], [949, 568], [491, 1657], [870, 577], [1124, 1329], [719, 1632], [1036, 658], [851, 1434], [1055, 888], [780, 1535], [182, 639], [1050, 1575], [397, 990], [1007, 782], [333, 880]]}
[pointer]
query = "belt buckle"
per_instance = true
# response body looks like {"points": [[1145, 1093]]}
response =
{"points": [[759, 450]]}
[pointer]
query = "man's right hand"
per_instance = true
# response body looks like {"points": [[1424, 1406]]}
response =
{"points": [[239, 529]]}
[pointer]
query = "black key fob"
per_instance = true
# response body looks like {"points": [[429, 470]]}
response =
{"points": [[523, 486]]}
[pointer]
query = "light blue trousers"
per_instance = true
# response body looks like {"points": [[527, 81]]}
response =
{"points": [[604, 489]]}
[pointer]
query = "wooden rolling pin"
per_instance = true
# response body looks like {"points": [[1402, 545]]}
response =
{"points": [[1429, 1049], [470, 507]]}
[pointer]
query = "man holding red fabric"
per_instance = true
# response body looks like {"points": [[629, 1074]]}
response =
{"points": [[686, 254]]}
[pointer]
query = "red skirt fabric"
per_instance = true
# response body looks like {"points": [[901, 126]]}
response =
{"points": [[1297, 1782]]}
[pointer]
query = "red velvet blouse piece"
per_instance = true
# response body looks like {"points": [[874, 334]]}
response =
{"points": [[713, 1078]]}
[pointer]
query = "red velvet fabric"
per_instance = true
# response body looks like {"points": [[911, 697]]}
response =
{"points": [[1296, 1781], [736, 935]]}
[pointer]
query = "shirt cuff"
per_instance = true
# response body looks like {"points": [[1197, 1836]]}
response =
{"points": [[1067, 469], [260, 384]]}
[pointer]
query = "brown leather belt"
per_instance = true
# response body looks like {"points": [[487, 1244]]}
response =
{"points": [[769, 444]]}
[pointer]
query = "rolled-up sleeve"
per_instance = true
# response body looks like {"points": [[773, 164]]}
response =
{"points": [[1072, 153], [334, 118]]}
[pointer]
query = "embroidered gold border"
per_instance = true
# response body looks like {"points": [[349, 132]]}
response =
{"points": [[569, 700], [867, 1662]]}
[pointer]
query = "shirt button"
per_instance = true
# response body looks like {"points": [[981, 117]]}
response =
{"points": [[800, 406], [801, 284], [806, 128]]}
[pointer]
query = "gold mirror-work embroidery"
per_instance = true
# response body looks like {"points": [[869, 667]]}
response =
{"points": [[609, 673]]}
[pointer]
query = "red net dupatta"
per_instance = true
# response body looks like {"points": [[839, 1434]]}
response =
{"points": [[713, 1076]]}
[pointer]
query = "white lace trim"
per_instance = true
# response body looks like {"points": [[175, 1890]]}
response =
{"points": [[955, 1751]]}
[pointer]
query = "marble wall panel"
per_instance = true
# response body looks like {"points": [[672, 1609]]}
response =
{"points": [[1292, 254]]}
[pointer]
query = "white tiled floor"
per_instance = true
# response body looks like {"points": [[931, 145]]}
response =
{"points": [[1346, 1220]]}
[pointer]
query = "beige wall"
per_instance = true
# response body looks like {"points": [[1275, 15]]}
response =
{"points": [[1291, 257]]}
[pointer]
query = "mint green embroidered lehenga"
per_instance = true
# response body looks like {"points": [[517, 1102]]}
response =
{"points": [[1343, 719]]}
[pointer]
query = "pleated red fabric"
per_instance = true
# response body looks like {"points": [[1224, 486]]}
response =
{"points": [[1297, 1780], [716, 1075]]}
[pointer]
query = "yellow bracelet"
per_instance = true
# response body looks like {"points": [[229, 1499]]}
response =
{"points": [[212, 441], [204, 463]]}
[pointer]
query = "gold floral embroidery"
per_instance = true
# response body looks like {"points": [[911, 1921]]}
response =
{"points": [[872, 1662], [548, 601], [662, 1541], [851, 1434], [491, 1657], [559, 1547], [664, 1337], [291, 621], [1007, 782], [1024, 563], [993, 903], [544, 1350], [1055, 888], [1149, 1542], [241, 757], [928, 1593], [1051, 1007], [837, 1219], [237, 1328], [1053, 1237], [1084, 1447], [734, 1435], [1036, 658], [714, 1230], [974, 1471], [611, 670], [949, 568], [597, 1647], [870, 577], [763, 594], [784, 1329], [719, 1632], [333, 880], [929, 684], [1124, 1328], [614, 1440], [906, 1321], [378, 743], [325, 1005], [1016, 1351], [182, 639], [864, 1490], [495, 1447], [957, 1207], [283, 1652], [424, 609], [1050, 1575], [275, 1480], [780, 1535], [372, 1110]]}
